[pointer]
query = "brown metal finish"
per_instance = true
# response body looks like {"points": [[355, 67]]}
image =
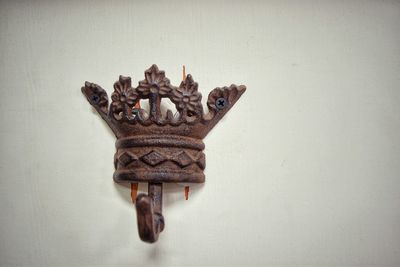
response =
{"points": [[154, 147], [149, 213]]}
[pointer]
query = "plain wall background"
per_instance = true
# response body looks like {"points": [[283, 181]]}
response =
{"points": [[304, 170]]}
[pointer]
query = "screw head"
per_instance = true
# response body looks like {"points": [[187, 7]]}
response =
{"points": [[95, 99], [221, 103]]}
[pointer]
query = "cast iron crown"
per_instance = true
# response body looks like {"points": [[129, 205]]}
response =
{"points": [[156, 147]]}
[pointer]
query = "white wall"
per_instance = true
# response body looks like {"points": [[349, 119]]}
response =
{"points": [[304, 170]]}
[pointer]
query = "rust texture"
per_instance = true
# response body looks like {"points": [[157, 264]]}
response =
{"points": [[157, 147]]}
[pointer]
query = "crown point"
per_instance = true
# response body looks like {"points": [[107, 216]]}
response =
{"points": [[124, 78], [189, 77], [242, 88], [153, 68]]}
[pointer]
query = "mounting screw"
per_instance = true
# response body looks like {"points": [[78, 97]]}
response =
{"points": [[221, 103], [95, 99]]}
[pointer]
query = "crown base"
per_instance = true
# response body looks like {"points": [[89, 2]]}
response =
{"points": [[159, 158]]}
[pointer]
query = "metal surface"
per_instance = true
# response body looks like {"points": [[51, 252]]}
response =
{"points": [[154, 147], [149, 217]]}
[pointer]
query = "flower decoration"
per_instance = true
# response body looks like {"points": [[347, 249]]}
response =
{"points": [[123, 91], [123, 98], [155, 83], [186, 98], [155, 86]]}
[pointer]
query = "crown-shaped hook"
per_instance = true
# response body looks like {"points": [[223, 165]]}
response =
{"points": [[154, 147]]}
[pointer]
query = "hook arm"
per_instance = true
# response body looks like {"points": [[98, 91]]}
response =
{"points": [[149, 217]]}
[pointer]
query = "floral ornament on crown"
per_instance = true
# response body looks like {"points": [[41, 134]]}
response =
{"points": [[123, 98], [155, 86], [187, 99], [155, 83]]}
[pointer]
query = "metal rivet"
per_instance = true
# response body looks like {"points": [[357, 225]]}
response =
{"points": [[221, 103]]}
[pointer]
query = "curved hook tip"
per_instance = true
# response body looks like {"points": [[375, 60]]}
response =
{"points": [[150, 223]]}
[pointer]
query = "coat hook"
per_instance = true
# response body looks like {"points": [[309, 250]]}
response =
{"points": [[159, 148], [149, 217]]}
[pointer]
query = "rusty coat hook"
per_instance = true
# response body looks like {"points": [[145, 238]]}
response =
{"points": [[149, 217], [159, 148]]}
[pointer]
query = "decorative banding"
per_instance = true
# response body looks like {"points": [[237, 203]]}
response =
{"points": [[160, 141], [167, 176]]}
